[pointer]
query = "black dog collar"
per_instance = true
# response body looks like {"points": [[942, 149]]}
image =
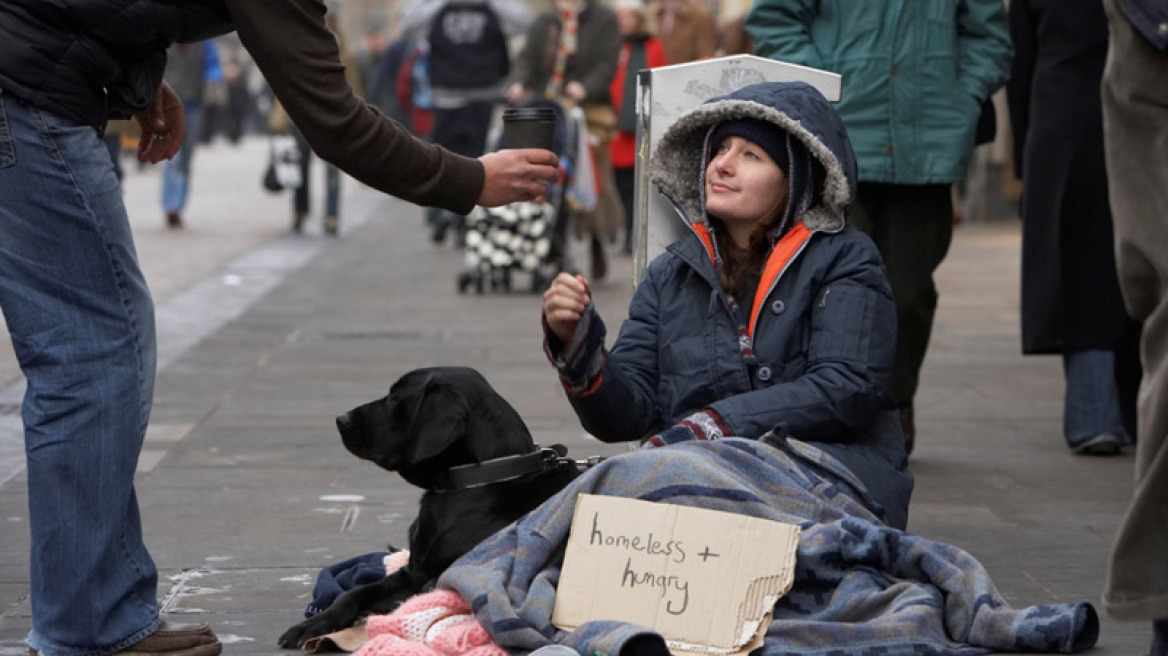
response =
{"points": [[508, 468]]}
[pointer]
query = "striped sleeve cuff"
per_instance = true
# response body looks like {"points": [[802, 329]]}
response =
{"points": [[702, 425], [580, 362]]}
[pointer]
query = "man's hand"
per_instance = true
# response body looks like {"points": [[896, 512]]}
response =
{"points": [[164, 126], [515, 175]]}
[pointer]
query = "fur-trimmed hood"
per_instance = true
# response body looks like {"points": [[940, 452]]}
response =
{"points": [[678, 165]]}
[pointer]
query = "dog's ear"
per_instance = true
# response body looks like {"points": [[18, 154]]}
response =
{"points": [[440, 421]]}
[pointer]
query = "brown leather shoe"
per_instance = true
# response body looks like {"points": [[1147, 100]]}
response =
{"points": [[172, 639]]}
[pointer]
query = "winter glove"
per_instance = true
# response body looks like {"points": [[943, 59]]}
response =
{"points": [[702, 425]]}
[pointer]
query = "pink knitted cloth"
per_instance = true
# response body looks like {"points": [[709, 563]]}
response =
{"points": [[437, 623]]}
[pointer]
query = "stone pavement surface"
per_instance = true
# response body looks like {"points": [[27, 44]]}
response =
{"points": [[247, 492]]}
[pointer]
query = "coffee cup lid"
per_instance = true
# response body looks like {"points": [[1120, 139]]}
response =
{"points": [[529, 114]]}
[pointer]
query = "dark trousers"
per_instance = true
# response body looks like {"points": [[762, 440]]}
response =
{"points": [[912, 226], [626, 182], [302, 197], [464, 130]]}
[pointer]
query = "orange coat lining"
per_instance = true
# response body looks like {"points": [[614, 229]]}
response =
{"points": [[780, 255]]}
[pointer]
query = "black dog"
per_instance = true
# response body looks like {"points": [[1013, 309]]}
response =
{"points": [[443, 429]]}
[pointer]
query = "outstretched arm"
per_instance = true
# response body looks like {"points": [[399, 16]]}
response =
{"points": [[300, 59]]}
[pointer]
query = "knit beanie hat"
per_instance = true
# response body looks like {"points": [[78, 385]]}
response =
{"points": [[804, 176], [770, 137]]}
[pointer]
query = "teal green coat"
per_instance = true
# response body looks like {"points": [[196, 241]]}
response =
{"points": [[915, 73]]}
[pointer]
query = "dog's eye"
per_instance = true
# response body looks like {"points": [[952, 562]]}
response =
{"points": [[399, 412]]}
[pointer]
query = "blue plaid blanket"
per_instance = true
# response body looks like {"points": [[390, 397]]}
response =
{"points": [[861, 588]]}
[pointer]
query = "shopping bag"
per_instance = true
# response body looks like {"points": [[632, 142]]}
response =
{"points": [[284, 159], [583, 191]]}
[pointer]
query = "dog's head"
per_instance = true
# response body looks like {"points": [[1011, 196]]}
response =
{"points": [[433, 419]]}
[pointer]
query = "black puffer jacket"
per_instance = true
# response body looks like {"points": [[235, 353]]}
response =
{"points": [[90, 60]]}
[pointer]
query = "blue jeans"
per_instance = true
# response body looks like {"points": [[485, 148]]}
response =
{"points": [[82, 326], [176, 176], [1091, 403]]}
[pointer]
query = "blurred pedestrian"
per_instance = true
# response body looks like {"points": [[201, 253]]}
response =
{"points": [[733, 38], [570, 54], [190, 69], [76, 303], [915, 75], [686, 30], [1135, 129], [413, 90], [368, 59], [469, 61], [238, 100], [639, 50], [1071, 303], [302, 194]]}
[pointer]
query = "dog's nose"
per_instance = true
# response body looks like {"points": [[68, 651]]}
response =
{"points": [[343, 422]]}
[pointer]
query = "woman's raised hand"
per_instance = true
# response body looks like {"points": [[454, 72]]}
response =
{"points": [[564, 303]]}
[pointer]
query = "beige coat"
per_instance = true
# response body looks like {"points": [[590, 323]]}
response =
{"points": [[694, 34]]}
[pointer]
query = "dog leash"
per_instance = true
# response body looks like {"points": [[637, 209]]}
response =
{"points": [[506, 468]]}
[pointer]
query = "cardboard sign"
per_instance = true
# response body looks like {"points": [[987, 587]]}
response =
{"points": [[705, 580]]}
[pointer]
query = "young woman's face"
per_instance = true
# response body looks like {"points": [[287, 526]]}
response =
{"points": [[744, 187]]}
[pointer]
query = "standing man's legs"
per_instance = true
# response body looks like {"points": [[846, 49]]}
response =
{"points": [[82, 326], [912, 226], [1135, 119]]}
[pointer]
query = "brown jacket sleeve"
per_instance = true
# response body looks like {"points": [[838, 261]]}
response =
{"points": [[301, 61]]}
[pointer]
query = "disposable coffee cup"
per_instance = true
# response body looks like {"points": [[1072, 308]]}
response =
{"points": [[529, 127]]}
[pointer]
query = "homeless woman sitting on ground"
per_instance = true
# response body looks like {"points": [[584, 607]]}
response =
{"points": [[772, 324], [770, 318]]}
